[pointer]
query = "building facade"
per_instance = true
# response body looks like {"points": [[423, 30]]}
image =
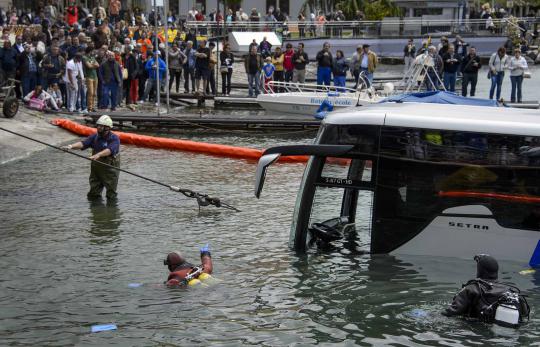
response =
{"points": [[290, 7]]}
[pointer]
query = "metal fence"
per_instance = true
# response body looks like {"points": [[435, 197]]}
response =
{"points": [[388, 27]]}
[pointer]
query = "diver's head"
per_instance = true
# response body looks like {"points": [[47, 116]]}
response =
{"points": [[173, 260], [487, 267]]}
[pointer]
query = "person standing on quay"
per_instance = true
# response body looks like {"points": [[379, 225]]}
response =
{"points": [[409, 53], [469, 68], [226, 59], [105, 149], [368, 63], [517, 67], [111, 77], [288, 62], [300, 60], [277, 61], [497, 64], [451, 62], [253, 63], [324, 68]]}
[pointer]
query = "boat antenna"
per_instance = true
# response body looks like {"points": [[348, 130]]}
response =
{"points": [[202, 199]]}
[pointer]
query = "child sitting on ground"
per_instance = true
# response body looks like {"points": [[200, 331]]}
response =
{"points": [[56, 94], [39, 99]]}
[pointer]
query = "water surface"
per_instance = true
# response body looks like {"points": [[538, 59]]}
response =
{"points": [[67, 263]]}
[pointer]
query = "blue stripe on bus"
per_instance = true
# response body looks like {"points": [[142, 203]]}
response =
{"points": [[535, 258]]}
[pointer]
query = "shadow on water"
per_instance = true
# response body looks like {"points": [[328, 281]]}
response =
{"points": [[105, 219]]}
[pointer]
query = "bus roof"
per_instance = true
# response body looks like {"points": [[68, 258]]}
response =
{"points": [[498, 120]]}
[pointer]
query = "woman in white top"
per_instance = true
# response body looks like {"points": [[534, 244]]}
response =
{"points": [[497, 64], [517, 67]]}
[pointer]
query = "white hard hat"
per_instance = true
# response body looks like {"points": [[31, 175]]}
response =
{"points": [[105, 120]]}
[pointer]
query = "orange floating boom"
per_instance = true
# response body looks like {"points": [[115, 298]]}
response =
{"points": [[507, 197], [178, 145]]}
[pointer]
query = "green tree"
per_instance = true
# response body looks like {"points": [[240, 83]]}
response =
{"points": [[379, 9]]}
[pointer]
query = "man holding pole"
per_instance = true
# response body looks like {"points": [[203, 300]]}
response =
{"points": [[105, 149]]}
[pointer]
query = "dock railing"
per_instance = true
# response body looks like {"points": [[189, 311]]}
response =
{"points": [[391, 27]]}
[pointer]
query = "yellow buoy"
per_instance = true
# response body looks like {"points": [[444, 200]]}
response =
{"points": [[194, 282]]}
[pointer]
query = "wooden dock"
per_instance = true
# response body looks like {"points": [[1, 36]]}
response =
{"points": [[146, 121]]}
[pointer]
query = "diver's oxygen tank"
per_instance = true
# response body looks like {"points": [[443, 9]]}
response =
{"points": [[507, 315]]}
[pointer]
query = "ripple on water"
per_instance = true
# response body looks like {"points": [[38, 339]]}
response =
{"points": [[66, 264]]}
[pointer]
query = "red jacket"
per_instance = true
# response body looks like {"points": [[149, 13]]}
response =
{"points": [[72, 15], [288, 63], [176, 277]]}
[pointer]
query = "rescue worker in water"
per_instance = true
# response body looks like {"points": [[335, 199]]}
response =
{"points": [[181, 270], [479, 297], [105, 149]]}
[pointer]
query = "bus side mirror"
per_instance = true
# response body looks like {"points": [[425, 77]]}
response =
{"points": [[264, 162]]}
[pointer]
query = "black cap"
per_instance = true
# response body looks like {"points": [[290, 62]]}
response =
{"points": [[365, 45], [487, 267]]}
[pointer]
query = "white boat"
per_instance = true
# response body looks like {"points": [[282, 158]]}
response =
{"points": [[306, 99]]}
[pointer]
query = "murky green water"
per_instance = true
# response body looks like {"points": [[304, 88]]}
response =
{"points": [[66, 264]]}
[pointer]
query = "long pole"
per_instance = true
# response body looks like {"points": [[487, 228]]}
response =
{"points": [[156, 47], [202, 199], [168, 80]]}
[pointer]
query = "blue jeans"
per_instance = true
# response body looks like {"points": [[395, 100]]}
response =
{"points": [[29, 82], [110, 94], [81, 100], [288, 75], [450, 81], [253, 84], [368, 76], [516, 85], [324, 75], [496, 82], [339, 81]]}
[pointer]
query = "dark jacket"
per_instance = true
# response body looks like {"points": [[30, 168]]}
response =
{"points": [[324, 60], [450, 65], [58, 66], [24, 64], [130, 63], [109, 72], [463, 47], [340, 67], [250, 57], [300, 65], [411, 53], [467, 65], [8, 59]]}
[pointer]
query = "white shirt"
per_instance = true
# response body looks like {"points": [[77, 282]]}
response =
{"points": [[71, 65], [517, 66], [364, 63]]}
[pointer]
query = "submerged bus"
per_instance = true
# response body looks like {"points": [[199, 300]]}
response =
{"points": [[420, 179]]}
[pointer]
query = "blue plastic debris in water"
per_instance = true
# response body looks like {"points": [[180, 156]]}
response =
{"points": [[134, 285], [103, 327], [418, 313]]}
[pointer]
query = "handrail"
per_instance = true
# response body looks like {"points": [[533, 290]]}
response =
{"points": [[293, 87], [344, 23]]}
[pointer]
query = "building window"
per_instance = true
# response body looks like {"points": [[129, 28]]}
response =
{"points": [[419, 12]]}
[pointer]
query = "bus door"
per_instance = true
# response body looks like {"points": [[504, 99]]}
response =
{"points": [[340, 204]]}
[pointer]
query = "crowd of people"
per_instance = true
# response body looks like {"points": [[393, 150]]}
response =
{"points": [[100, 59], [458, 57]]}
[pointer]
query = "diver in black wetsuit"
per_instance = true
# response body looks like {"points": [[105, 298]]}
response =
{"points": [[479, 298]]}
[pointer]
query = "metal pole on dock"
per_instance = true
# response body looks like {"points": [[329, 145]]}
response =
{"points": [[168, 80], [156, 47]]}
